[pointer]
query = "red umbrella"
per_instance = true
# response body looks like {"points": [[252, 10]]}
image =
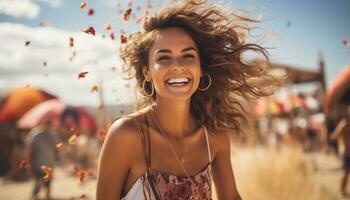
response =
{"points": [[62, 116], [19, 101], [339, 89], [34, 116]]}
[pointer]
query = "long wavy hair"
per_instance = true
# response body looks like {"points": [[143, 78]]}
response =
{"points": [[220, 36]]}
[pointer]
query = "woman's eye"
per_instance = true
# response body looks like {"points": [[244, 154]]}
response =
{"points": [[163, 58], [188, 56]]}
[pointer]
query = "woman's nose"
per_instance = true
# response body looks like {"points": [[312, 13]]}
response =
{"points": [[178, 65]]}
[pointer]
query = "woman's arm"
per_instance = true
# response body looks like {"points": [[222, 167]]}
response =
{"points": [[115, 159], [222, 170], [338, 130]]}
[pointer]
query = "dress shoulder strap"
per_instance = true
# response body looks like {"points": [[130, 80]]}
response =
{"points": [[146, 142], [208, 143]]}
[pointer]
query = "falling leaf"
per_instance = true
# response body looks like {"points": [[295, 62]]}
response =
{"points": [[44, 24], [149, 5], [90, 30], [59, 145], [346, 43], [72, 129], [102, 134], [127, 14], [91, 12], [71, 42], [45, 63], [81, 175], [123, 39], [83, 4], [72, 139], [27, 43], [129, 3], [112, 36], [48, 173], [82, 74], [23, 164], [108, 26], [138, 8], [82, 197], [94, 88], [73, 56], [28, 86], [114, 68]]}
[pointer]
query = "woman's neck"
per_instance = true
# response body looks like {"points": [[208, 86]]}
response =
{"points": [[174, 117]]}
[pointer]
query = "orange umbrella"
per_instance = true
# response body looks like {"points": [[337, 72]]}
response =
{"points": [[339, 89], [19, 101]]}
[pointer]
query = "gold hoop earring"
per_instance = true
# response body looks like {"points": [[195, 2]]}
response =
{"points": [[204, 89], [144, 90]]}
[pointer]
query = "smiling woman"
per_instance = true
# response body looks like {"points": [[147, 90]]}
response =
{"points": [[188, 65]]}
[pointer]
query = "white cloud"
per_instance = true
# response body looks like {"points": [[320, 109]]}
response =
{"points": [[19, 8], [25, 8], [21, 65], [52, 3]]}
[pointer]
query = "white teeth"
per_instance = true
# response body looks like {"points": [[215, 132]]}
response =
{"points": [[178, 80]]}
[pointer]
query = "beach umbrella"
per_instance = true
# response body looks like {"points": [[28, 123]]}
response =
{"points": [[19, 101], [339, 91], [62, 115]]}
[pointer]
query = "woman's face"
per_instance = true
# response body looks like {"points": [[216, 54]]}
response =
{"points": [[174, 65]]}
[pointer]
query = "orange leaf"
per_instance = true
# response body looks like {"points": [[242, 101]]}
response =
{"points": [[72, 139], [102, 134], [108, 26], [127, 14], [112, 36], [123, 39], [90, 30], [83, 4], [23, 164], [94, 88], [48, 173], [82, 197], [81, 175], [58, 145], [71, 42], [82, 74], [91, 12]]}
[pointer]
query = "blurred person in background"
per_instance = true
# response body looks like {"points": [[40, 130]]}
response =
{"points": [[343, 130], [43, 153]]}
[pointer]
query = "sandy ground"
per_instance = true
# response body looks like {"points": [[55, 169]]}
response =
{"points": [[327, 174]]}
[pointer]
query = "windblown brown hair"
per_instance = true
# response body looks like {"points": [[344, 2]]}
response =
{"points": [[220, 38]]}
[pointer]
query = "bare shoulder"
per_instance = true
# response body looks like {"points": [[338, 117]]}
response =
{"points": [[118, 154], [220, 141]]}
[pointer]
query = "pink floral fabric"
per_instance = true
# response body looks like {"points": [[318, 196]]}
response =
{"points": [[173, 187]]}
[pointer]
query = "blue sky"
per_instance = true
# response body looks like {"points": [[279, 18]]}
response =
{"points": [[314, 26]]}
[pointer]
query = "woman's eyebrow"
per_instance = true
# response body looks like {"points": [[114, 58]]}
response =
{"points": [[169, 51]]}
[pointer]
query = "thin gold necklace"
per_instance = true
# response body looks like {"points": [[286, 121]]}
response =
{"points": [[173, 150]]}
